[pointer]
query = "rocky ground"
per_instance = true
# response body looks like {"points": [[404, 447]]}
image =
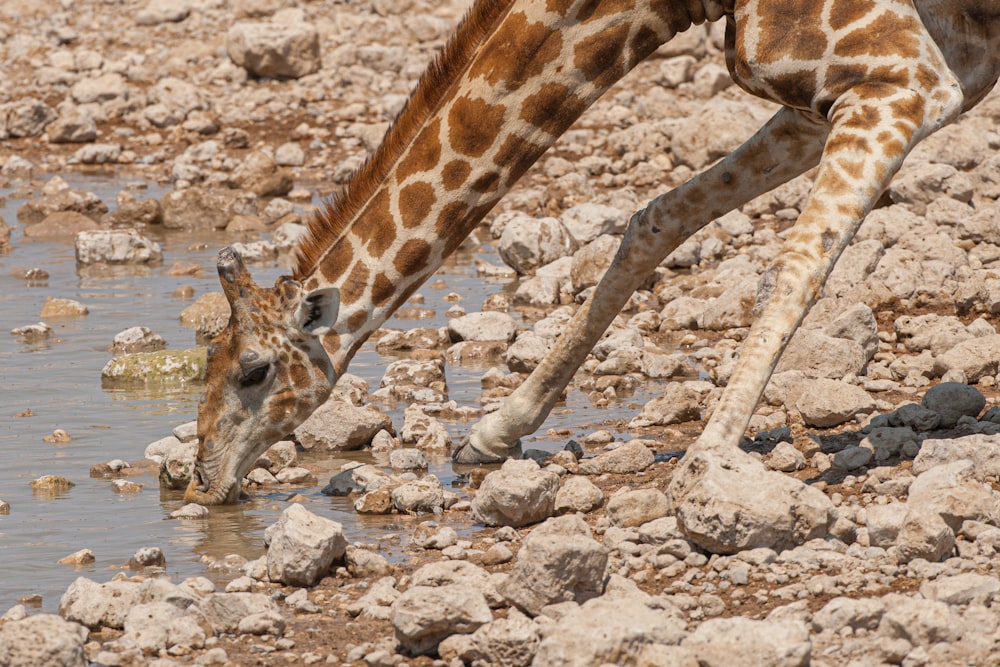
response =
{"points": [[885, 401]]}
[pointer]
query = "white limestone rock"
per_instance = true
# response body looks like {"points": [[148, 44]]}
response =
{"points": [[824, 402], [818, 354], [976, 357], [528, 243], [518, 494], [302, 546], [26, 117], [424, 615], [377, 602], [226, 613], [424, 432], [163, 11], [763, 643], [155, 626], [578, 494], [629, 458], [962, 589], [339, 426], [559, 561], [490, 325], [136, 339], [526, 352], [854, 613], [177, 465], [921, 622], [614, 628], [884, 523], [42, 640], [407, 459], [511, 641], [275, 50], [636, 507], [678, 402], [420, 495], [937, 333], [98, 605], [591, 261], [117, 246], [982, 450], [441, 573], [720, 512]]}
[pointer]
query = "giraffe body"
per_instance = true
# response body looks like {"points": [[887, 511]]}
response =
{"points": [[861, 83]]}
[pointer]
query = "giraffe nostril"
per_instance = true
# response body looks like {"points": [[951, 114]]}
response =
{"points": [[199, 479]]}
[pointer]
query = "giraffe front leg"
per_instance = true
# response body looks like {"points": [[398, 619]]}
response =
{"points": [[786, 146], [726, 501]]}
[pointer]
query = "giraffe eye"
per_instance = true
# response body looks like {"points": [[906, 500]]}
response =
{"points": [[254, 376]]}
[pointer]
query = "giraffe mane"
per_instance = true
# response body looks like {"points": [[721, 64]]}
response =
{"points": [[337, 214]]}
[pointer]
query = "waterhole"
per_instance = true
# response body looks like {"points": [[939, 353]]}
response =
{"points": [[58, 381]]}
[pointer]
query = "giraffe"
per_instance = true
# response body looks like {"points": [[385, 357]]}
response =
{"points": [[860, 83]]}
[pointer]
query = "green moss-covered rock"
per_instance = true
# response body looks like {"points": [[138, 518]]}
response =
{"points": [[156, 367]]}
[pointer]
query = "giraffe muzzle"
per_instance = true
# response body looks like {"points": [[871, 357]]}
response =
{"points": [[202, 491]]}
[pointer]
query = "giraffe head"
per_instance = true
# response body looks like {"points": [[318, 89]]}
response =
{"points": [[267, 372]]}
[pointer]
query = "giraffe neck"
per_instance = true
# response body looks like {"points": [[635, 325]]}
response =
{"points": [[515, 76]]}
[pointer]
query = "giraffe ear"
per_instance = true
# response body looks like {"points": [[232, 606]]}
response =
{"points": [[317, 311]]}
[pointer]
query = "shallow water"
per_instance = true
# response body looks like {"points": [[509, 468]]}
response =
{"points": [[59, 381]]}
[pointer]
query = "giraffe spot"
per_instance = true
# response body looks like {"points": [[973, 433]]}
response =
{"points": [[320, 367], [357, 320], [376, 228], [892, 147], [298, 375], [424, 153], [888, 35], [646, 41], [487, 182], [845, 12], [595, 10], [796, 89], [853, 168], [454, 174], [891, 74], [382, 289], [281, 405], [517, 51], [517, 154], [449, 219], [795, 32], [677, 15], [473, 125], [415, 202], [910, 108], [833, 182], [599, 56], [864, 117], [467, 223], [846, 141], [336, 260], [926, 77], [355, 284], [412, 258], [552, 109]]}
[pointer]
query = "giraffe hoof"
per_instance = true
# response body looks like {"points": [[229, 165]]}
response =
{"points": [[468, 453]]}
